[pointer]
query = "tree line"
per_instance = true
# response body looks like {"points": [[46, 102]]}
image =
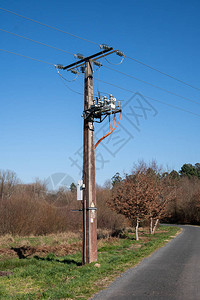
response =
{"points": [[145, 197], [31, 209], [151, 195]]}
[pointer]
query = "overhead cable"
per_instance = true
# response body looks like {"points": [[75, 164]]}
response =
{"points": [[64, 81], [34, 41], [46, 25], [66, 78], [35, 59], [153, 85], [163, 73], [89, 41], [151, 98]]}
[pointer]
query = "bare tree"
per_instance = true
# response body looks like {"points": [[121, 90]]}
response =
{"points": [[8, 182], [129, 199], [143, 195]]}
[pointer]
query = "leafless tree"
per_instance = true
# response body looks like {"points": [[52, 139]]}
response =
{"points": [[144, 194], [8, 182]]}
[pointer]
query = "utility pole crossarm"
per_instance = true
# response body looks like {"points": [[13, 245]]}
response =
{"points": [[81, 61]]}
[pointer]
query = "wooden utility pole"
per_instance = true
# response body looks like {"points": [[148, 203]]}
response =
{"points": [[89, 193], [90, 113]]}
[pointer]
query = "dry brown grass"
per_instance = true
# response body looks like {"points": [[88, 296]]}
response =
{"points": [[60, 244]]}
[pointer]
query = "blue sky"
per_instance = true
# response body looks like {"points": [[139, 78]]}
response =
{"points": [[41, 124]]}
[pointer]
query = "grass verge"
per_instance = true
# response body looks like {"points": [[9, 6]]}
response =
{"points": [[63, 277]]}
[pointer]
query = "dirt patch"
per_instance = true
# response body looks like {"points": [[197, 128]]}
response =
{"points": [[30, 251], [5, 273]]}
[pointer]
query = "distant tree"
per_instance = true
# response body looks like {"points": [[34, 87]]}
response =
{"points": [[165, 174], [73, 187], [116, 179], [8, 182], [174, 174], [197, 166], [107, 184], [39, 189], [189, 170]]}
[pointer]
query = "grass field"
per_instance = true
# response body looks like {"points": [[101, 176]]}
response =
{"points": [[49, 267]]}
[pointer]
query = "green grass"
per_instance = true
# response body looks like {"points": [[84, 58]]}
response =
{"points": [[53, 277]]}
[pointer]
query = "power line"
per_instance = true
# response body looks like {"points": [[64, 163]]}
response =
{"points": [[153, 85], [76, 77], [115, 64], [39, 60], [104, 66], [151, 98], [124, 89], [42, 61], [163, 73], [64, 81], [89, 41], [46, 25], [37, 42], [72, 90], [35, 59], [57, 29]]}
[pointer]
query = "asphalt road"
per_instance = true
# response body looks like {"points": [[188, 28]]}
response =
{"points": [[170, 273]]}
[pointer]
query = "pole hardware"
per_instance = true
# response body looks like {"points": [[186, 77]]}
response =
{"points": [[83, 60], [91, 208], [101, 108]]}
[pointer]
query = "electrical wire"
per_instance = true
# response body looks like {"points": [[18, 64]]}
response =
{"points": [[46, 25], [109, 127], [153, 85], [109, 133], [98, 80], [151, 98], [95, 94], [104, 56], [92, 42], [163, 73], [51, 27], [39, 60], [35, 59], [64, 79], [124, 89], [115, 64], [185, 98], [34, 41]]}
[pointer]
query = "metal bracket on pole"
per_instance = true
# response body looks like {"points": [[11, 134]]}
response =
{"points": [[91, 208]]}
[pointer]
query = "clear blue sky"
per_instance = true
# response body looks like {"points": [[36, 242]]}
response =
{"points": [[41, 124]]}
